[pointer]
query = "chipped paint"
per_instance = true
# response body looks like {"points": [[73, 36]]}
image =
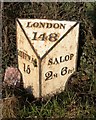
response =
{"points": [[47, 54]]}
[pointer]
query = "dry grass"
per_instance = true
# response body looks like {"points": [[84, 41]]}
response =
{"points": [[79, 98], [10, 107]]}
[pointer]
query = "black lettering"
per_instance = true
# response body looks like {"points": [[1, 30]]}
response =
{"points": [[55, 75], [71, 56], [56, 61], [28, 57], [27, 68], [53, 37], [36, 24], [50, 61], [49, 25], [62, 26], [64, 71], [35, 63], [42, 25], [35, 34], [42, 36], [28, 24], [48, 75], [46, 25], [66, 57], [24, 55], [61, 59], [56, 25]]}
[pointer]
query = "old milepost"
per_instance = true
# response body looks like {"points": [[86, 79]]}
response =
{"points": [[47, 54]]}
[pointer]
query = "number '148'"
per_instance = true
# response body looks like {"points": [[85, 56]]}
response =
{"points": [[51, 37]]}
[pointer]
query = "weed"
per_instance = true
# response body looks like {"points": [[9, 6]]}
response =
{"points": [[79, 98]]}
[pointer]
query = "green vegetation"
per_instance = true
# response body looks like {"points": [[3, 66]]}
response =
{"points": [[79, 98]]}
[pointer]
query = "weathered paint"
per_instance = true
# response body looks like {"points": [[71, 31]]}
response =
{"points": [[47, 54], [30, 77], [59, 64]]}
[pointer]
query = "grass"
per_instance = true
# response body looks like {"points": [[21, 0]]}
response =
{"points": [[79, 98], [74, 102]]}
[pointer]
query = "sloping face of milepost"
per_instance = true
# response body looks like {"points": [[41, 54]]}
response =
{"points": [[28, 63], [60, 63], [43, 34], [50, 53]]}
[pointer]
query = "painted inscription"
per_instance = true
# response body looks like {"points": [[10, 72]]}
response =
{"points": [[45, 25], [63, 71], [28, 58], [26, 68], [52, 61], [47, 54], [51, 37], [61, 59]]}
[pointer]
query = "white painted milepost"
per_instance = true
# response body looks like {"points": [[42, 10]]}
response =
{"points": [[47, 54]]}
